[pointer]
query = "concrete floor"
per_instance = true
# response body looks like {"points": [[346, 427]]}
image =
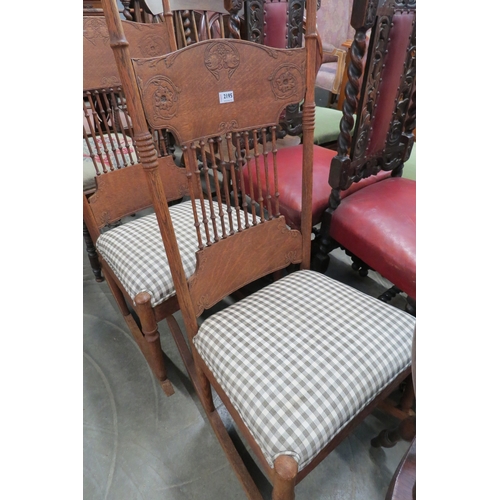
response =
{"points": [[139, 444]]}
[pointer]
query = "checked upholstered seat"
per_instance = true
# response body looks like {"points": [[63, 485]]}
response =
{"points": [[136, 254], [105, 153], [295, 404]]}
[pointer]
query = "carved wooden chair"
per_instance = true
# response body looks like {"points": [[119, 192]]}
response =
{"points": [[110, 144], [111, 165], [377, 224], [299, 363]]}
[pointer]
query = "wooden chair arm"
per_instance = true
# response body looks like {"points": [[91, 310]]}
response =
{"points": [[331, 54]]}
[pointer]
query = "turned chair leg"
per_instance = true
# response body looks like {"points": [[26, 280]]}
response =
{"points": [[92, 255], [388, 438], [285, 469], [149, 328]]}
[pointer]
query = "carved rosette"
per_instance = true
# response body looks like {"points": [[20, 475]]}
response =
{"points": [[285, 81], [163, 96], [152, 46], [221, 57], [95, 30]]}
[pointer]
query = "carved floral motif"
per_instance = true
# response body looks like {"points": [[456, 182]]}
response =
{"points": [[111, 81], [219, 57], [228, 126], [152, 46], [95, 30], [285, 81], [163, 96]]}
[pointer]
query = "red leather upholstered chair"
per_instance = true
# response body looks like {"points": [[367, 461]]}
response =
{"points": [[377, 224], [279, 24]]}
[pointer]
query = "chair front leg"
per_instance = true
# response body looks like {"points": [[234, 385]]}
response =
{"points": [[285, 468], [149, 328]]}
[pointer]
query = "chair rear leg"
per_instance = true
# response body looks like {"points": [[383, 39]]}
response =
{"points": [[131, 321], [149, 328], [285, 468], [406, 431]]}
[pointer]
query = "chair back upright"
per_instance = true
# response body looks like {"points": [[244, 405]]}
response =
{"points": [[206, 95], [383, 96]]}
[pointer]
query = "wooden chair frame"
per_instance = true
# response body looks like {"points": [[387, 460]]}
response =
{"points": [[236, 255], [109, 201]]}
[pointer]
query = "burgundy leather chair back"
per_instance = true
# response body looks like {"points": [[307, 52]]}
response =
{"points": [[379, 110], [275, 23]]}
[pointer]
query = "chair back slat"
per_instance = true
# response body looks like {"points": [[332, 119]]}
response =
{"points": [[125, 191]]}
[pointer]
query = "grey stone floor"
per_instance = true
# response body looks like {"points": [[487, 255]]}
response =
{"points": [[139, 444]]}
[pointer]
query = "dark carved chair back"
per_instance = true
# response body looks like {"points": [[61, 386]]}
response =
{"points": [[278, 24], [383, 97], [275, 23]]}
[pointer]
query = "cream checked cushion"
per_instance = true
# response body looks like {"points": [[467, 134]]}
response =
{"points": [[117, 150], [136, 254], [303, 356]]}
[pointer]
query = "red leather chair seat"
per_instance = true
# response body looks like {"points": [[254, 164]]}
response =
{"points": [[289, 160], [378, 225]]}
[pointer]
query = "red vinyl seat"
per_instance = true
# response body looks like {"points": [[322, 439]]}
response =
{"points": [[379, 221], [289, 164]]}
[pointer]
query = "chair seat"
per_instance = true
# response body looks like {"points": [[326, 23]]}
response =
{"points": [[289, 162], [378, 224], [326, 75], [115, 152], [326, 125], [302, 357], [136, 254]]}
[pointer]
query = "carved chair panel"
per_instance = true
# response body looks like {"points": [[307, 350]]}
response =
{"points": [[231, 102], [125, 191]]}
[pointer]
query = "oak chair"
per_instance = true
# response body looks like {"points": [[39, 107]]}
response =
{"points": [[377, 224], [111, 163], [108, 148], [301, 362]]}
